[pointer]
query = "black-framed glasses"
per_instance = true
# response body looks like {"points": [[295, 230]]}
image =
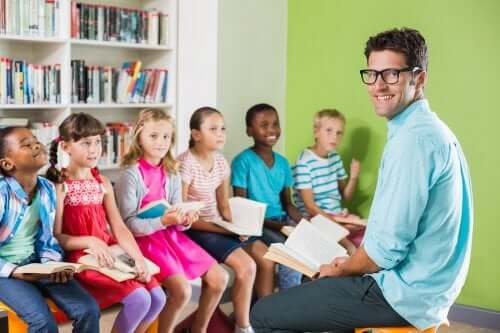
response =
{"points": [[389, 75]]}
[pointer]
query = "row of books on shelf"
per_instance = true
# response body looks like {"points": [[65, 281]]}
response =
{"points": [[111, 23], [128, 84], [25, 83], [30, 17], [116, 142]]}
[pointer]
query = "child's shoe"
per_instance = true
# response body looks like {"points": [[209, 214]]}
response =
{"points": [[247, 329]]}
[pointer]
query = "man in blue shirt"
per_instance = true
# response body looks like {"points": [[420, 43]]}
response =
{"points": [[415, 255]]}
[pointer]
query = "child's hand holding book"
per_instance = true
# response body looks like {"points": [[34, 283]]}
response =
{"points": [[143, 273], [100, 250]]}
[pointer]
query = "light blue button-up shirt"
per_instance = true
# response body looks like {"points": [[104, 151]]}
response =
{"points": [[13, 206], [420, 225]]}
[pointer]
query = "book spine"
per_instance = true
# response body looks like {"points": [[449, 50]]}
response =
{"points": [[164, 29]]}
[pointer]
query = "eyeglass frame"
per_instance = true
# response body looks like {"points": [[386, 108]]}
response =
{"points": [[380, 73]]}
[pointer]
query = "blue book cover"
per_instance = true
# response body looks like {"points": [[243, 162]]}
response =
{"points": [[153, 210]]}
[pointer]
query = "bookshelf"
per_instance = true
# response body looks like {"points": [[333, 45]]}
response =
{"points": [[62, 48]]}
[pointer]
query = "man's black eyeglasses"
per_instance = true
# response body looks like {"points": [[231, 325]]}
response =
{"points": [[389, 75]]}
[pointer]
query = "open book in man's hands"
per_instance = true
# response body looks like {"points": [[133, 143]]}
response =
{"points": [[124, 265], [247, 217], [310, 245], [158, 208], [52, 267]]}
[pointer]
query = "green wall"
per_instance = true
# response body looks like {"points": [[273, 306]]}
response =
{"points": [[325, 52]]}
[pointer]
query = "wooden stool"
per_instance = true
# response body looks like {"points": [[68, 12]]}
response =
{"points": [[17, 325], [406, 329]]}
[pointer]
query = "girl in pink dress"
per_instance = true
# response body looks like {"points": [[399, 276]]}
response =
{"points": [[151, 175], [87, 218]]}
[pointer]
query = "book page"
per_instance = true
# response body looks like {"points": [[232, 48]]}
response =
{"points": [[294, 264], [283, 250], [247, 217], [307, 240], [330, 229], [47, 268]]}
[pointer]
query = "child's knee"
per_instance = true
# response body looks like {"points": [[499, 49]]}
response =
{"points": [[217, 279], [39, 322], [158, 297], [246, 270], [139, 299], [180, 292], [87, 311]]}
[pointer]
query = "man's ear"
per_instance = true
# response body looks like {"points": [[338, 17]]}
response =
{"points": [[249, 131], [420, 80], [7, 165]]}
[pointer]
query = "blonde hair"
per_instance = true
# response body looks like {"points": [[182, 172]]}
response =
{"points": [[327, 113], [135, 151]]}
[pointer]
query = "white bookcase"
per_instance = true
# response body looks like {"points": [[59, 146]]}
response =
{"points": [[62, 49]]}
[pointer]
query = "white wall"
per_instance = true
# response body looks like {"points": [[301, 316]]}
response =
{"points": [[197, 61], [251, 63], [232, 54]]}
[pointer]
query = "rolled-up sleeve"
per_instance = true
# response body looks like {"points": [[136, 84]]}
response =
{"points": [[400, 200]]}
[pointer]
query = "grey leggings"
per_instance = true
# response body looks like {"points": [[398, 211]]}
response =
{"points": [[328, 304]]}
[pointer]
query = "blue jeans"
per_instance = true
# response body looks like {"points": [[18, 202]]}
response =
{"points": [[27, 300]]}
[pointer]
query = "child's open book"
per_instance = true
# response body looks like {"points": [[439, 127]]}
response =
{"points": [[310, 245], [51, 267], [158, 208], [124, 265], [247, 217]]}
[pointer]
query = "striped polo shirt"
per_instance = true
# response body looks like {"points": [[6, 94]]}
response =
{"points": [[322, 175]]}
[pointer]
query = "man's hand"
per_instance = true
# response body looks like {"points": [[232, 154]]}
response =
{"points": [[333, 269]]}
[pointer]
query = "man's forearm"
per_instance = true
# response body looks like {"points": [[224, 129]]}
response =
{"points": [[358, 264]]}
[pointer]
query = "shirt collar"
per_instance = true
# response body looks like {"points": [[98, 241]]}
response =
{"points": [[17, 189], [399, 120]]}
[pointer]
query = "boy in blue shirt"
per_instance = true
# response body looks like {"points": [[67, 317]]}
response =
{"points": [[27, 210], [260, 174]]}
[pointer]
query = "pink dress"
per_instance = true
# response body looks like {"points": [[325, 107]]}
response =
{"points": [[84, 215], [169, 248]]}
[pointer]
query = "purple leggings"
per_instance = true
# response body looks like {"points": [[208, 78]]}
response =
{"points": [[140, 306]]}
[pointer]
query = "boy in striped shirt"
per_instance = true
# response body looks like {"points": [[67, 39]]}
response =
{"points": [[321, 182]]}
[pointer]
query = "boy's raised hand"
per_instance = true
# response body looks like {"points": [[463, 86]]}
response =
{"points": [[355, 168]]}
